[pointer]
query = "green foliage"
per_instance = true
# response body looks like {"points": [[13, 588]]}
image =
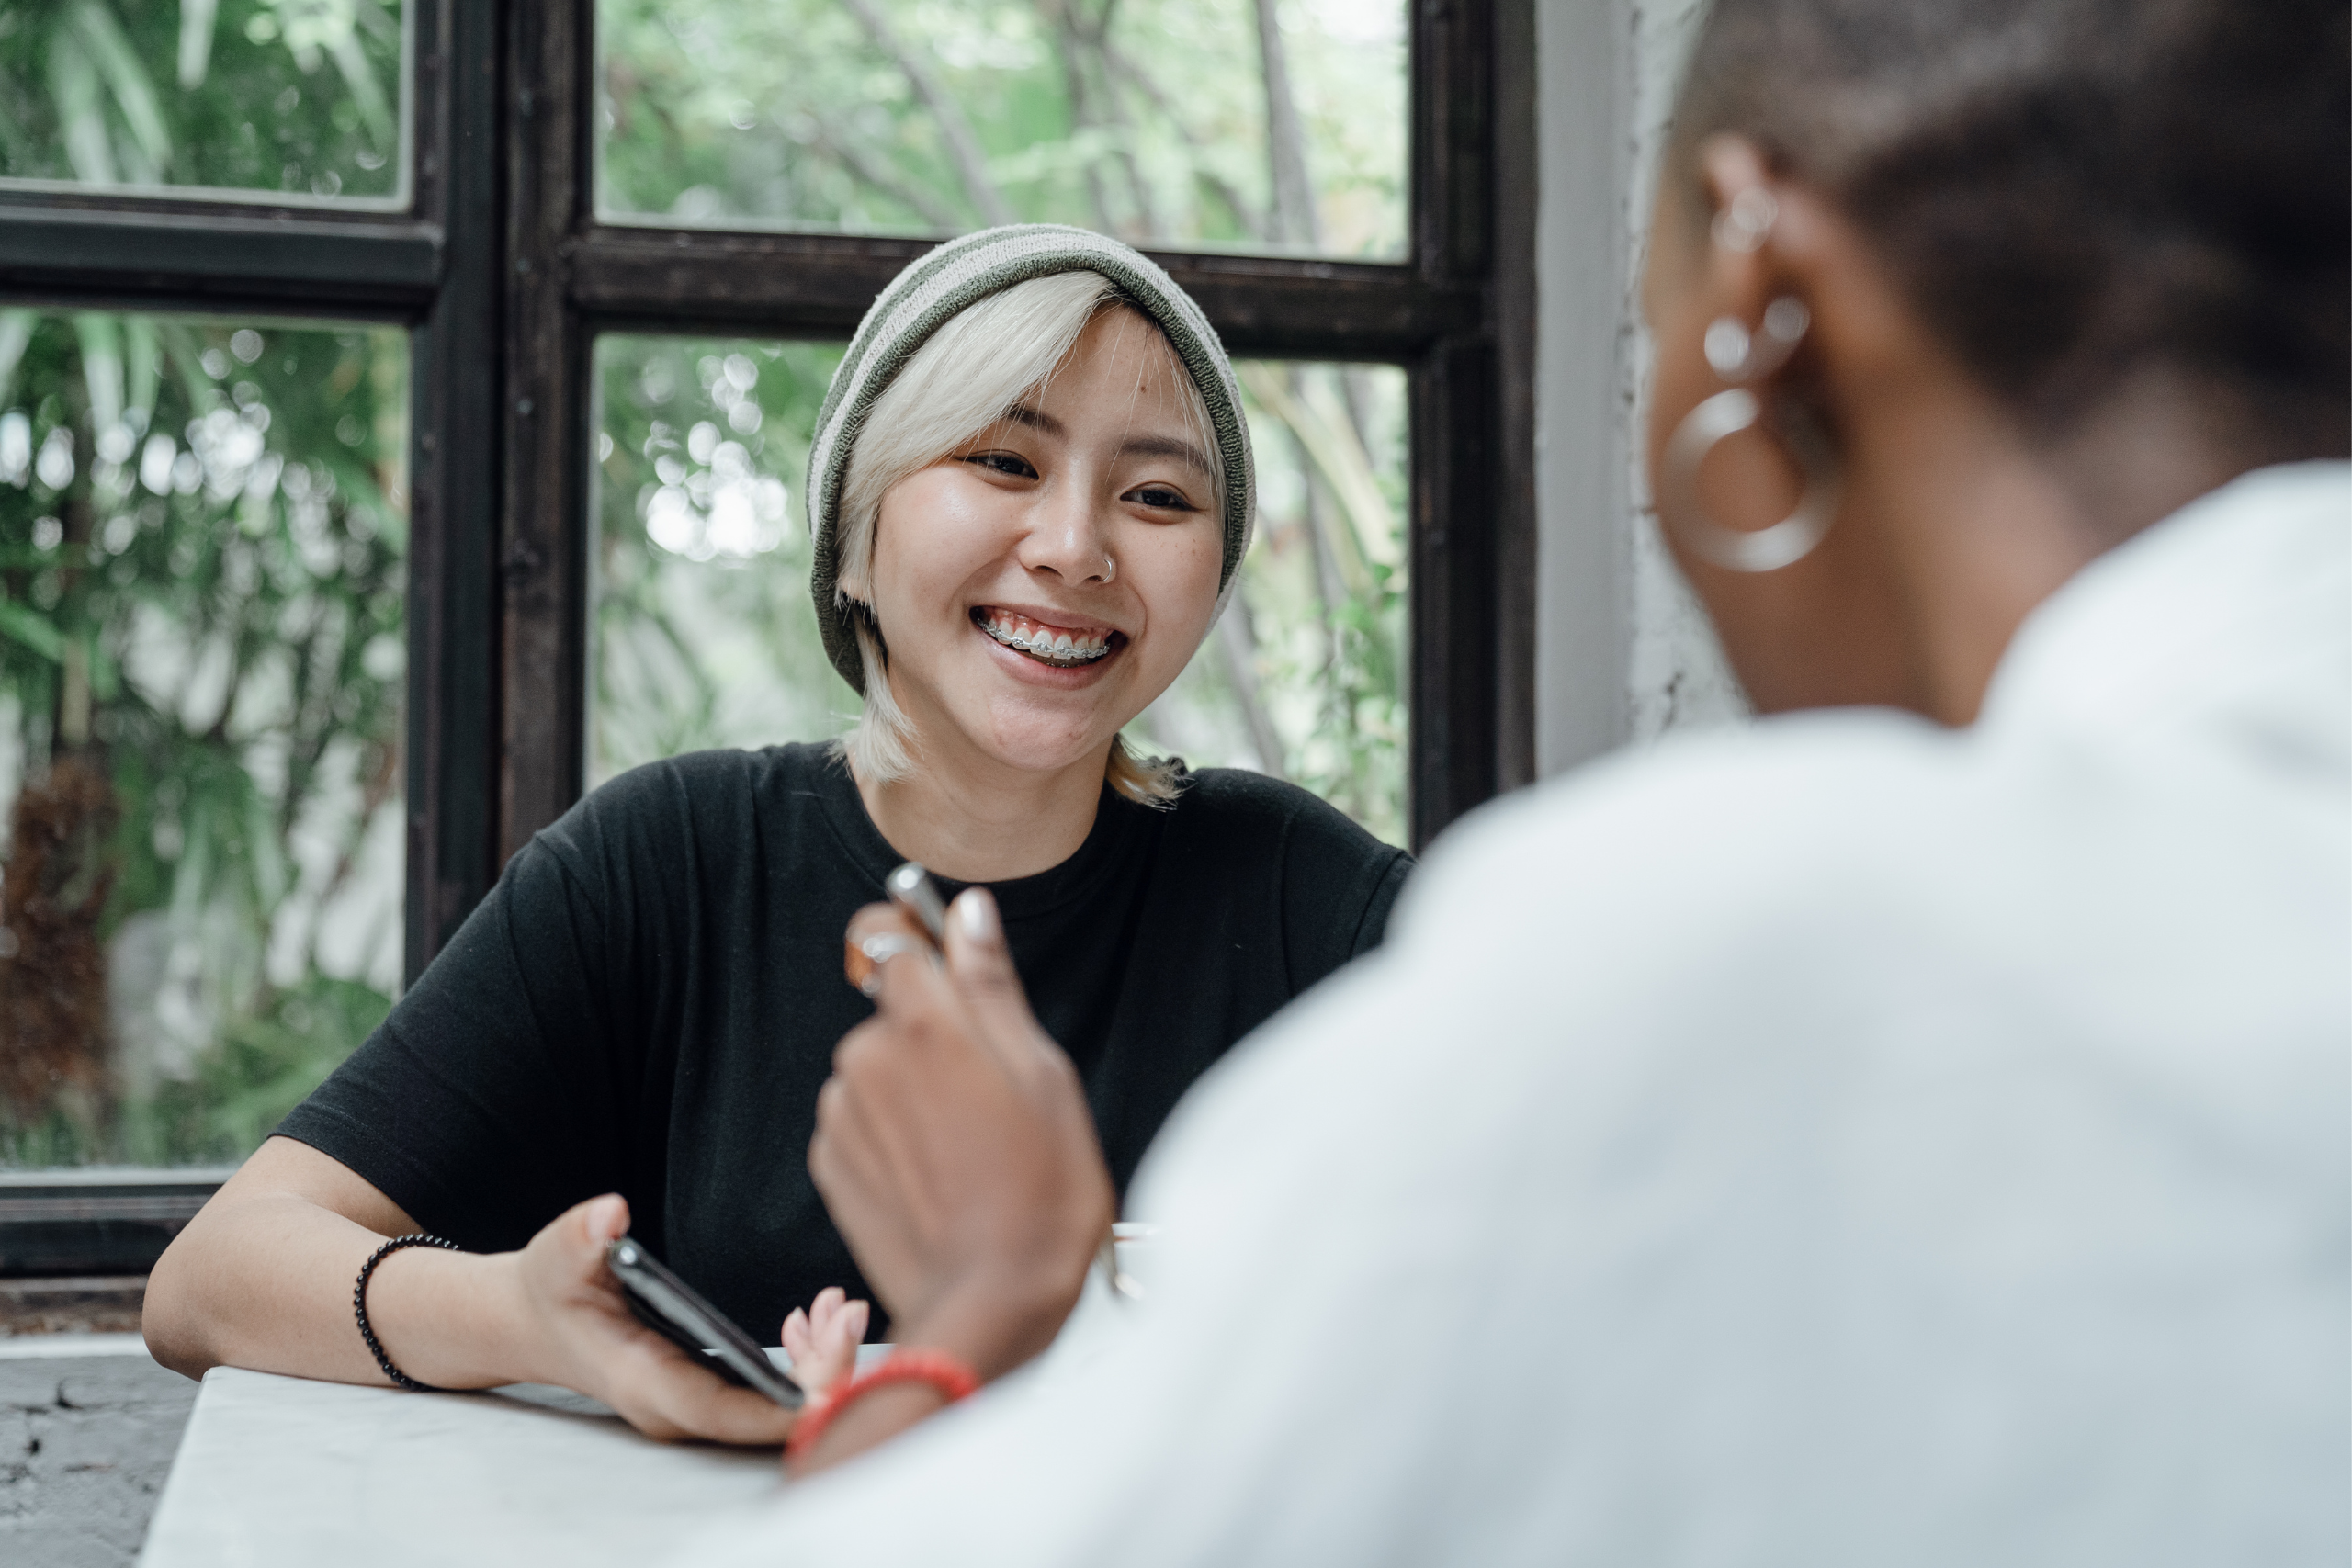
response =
{"points": [[202, 539], [293, 97], [705, 637], [1146, 119], [267, 1064]]}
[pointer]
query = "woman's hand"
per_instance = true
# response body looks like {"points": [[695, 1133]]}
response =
{"points": [[824, 1340], [573, 1327], [955, 1152]]}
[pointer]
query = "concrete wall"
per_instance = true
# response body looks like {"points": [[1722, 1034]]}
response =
{"points": [[88, 1426], [1622, 654]]}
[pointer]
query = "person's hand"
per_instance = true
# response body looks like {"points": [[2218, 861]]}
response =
{"points": [[576, 1331], [824, 1339], [955, 1150]]}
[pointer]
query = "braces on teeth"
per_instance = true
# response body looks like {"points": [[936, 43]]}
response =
{"points": [[1044, 647]]}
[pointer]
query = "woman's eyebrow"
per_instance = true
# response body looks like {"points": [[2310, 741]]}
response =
{"points": [[1167, 446], [1038, 419], [1044, 423]]}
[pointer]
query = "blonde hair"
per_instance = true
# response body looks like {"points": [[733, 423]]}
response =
{"points": [[961, 381]]}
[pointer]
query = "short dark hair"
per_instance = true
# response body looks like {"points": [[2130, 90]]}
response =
{"points": [[2072, 191]]}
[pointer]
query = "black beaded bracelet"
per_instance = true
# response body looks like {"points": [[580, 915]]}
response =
{"points": [[359, 1304]]}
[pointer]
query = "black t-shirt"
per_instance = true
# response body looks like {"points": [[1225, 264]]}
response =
{"points": [[649, 1002]]}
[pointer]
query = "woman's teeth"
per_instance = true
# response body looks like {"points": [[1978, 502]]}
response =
{"points": [[1050, 645]]}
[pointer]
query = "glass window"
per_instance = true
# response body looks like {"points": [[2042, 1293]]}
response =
{"points": [[279, 100], [1262, 125], [203, 526], [703, 633], [705, 637], [1305, 676]]}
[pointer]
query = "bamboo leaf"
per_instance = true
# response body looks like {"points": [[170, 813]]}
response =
{"points": [[265, 851], [101, 338], [188, 360], [141, 370], [134, 90], [33, 630], [367, 95], [74, 88], [16, 331], [196, 40]]}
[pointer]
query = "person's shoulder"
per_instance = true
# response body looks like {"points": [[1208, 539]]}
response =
{"points": [[691, 776], [669, 796], [1220, 800], [1715, 830]]}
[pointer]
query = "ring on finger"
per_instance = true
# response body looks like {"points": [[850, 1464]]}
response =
{"points": [[878, 950]]}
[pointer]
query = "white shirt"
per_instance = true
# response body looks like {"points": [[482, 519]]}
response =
{"points": [[1844, 1141]]}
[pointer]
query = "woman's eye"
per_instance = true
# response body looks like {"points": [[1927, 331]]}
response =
{"points": [[1003, 463], [1161, 498]]}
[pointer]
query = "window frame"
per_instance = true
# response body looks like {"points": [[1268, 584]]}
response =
{"points": [[503, 277]]}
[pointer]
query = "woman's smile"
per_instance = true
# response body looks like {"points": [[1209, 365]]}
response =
{"points": [[1056, 640]]}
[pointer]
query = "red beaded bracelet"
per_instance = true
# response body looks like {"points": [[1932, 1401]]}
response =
{"points": [[949, 1374]]}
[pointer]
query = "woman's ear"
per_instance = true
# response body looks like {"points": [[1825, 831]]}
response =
{"points": [[1744, 223]]}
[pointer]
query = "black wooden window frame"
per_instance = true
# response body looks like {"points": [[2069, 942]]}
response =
{"points": [[504, 276]]}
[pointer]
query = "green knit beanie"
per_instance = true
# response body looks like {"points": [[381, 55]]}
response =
{"points": [[933, 290]]}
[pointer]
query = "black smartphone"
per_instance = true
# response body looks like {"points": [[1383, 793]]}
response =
{"points": [[673, 1309]]}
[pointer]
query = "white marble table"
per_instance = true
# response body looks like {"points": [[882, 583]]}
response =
{"points": [[275, 1472], [282, 1472]]}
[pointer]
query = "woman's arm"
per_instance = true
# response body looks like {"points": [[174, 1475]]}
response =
{"points": [[262, 1279]]}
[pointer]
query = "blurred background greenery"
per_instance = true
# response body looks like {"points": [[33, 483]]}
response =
{"points": [[282, 99], [203, 522], [202, 531], [1249, 124]]}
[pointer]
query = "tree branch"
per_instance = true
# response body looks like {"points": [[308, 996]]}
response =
{"points": [[863, 167], [1124, 123], [1074, 89], [1119, 67], [1295, 219], [963, 147], [1238, 644]]}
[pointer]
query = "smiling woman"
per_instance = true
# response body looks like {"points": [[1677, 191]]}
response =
{"points": [[1083, 519], [1031, 492]]}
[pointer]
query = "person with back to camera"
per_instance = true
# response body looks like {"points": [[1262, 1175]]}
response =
{"points": [[1917, 1131], [1031, 491]]}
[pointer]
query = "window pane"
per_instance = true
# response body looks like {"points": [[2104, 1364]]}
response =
{"points": [[1146, 119], [1305, 676], [284, 100], [203, 526], [705, 636]]}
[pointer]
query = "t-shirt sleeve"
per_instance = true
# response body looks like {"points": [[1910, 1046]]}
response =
{"points": [[497, 1093], [1339, 884]]}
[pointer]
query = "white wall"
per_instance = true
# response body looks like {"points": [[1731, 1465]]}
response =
{"points": [[1621, 650]]}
